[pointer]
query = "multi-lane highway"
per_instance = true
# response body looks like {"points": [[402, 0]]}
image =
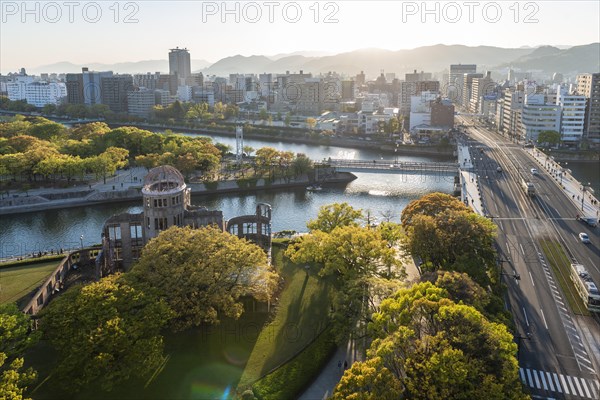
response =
{"points": [[556, 358]]}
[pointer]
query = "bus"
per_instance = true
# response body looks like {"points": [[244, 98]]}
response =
{"points": [[587, 289], [528, 187]]}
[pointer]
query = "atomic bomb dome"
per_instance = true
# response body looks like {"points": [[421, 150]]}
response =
{"points": [[162, 180]]}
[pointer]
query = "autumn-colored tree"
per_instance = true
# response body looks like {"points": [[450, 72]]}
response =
{"points": [[105, 332], [203, 273]]}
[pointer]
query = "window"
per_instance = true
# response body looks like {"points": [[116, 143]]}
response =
{"points": [[155, 203], [148, 222], [155, 223], [114, 232]]}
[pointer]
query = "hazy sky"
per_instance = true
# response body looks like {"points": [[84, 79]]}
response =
{"points": [[109, 31]]}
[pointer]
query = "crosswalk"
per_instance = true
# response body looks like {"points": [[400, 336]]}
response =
{"points": [[559, 383]]}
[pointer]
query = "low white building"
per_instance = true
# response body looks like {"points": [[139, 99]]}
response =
{"points": [[36, 93], [538, 116], [420, 109]]}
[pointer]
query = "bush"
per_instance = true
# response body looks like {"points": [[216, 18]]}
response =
{"points": [[31, 261], [289, 380]]}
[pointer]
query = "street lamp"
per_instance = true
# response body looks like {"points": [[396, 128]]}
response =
{"points": [[519, 339], [81, 240], [584, 189]]}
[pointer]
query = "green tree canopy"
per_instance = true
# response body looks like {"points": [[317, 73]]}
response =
{"points": [[428, 347], [549, 138], [203, 273], [431, 205], [335, 215], [105, 332]]}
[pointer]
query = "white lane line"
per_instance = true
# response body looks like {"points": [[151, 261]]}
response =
{"points": [[564, 384], [501, 227], [525, 313], [543, 380], [544, 318], [550, 381], [529, 378], [558, 388], [587, 392], [522, 251], [531, 276]]}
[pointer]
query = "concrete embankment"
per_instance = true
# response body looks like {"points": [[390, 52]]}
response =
{"points": [[50, 199]]}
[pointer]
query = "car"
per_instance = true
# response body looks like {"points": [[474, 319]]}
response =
{"points": [[584, 237], [534, 171], [591, 221]]}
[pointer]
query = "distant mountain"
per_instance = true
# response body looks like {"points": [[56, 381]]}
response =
{"points": [[576, 59], [239, 65], [121, 68], [302, 53]]}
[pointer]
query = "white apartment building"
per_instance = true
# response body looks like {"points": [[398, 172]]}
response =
{"points": [[537, 116], [140, 103], [36, 93], [572, 119], [420, 108]]}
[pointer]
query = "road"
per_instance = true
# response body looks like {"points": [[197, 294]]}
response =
{"points": [[554, 356]]}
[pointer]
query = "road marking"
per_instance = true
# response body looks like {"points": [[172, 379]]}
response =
{"points": [[543, 380], [594, 392], [559, 389], [525, 313], [549, 376], [530, 379], [571, 386], [578, 387], [564, 384], [522, 374], [587, 392], [531, 276], [544, 318], [537, 381], [522, 251]]}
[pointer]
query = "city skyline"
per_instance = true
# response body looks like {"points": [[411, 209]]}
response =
{"points": [[127, 32]]}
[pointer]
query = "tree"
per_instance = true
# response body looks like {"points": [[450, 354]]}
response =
{"points": [[288, 119], [429, 347], [368, 380], [431, 205], [266, 157], [248, 150], [15, 337], [106, 332], [203, 273], [311, 123], [334, 215], [548, 138], [301, 164], [263, 114]]}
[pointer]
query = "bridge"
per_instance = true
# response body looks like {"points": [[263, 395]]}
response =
{"points": [[391, 166]]}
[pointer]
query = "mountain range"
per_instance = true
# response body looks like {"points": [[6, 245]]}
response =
{"points": [[437, 58]]}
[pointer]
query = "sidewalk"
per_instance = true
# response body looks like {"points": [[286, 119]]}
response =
{"points": [[571, 187], [469, 181], [322, 387]]}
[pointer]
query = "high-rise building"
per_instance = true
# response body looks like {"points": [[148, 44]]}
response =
{"points": [[417, 76], [180, 64], [347, 90], [480, 88], [74, 84], [92, 85], [140, 102], [510, 123], [414, 88], [538, 116], [572, 119], [360, 79], [588, 85], [454, 89], [36, 93], [114, 92], [467, 87]]}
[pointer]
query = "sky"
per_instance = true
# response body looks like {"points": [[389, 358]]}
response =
{"points": [[44, 32]]}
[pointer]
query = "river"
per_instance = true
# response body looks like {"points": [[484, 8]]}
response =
{"points": [[375, 194]]}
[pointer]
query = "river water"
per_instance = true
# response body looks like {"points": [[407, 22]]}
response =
{"points": [[374, 193]]}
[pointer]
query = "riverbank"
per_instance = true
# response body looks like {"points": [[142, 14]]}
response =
{"points": [[100, 193], [352, 143]]}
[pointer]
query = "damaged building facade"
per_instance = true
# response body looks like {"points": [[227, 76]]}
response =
{"points": [[167, 202]]}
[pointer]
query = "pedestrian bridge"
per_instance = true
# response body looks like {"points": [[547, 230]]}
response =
{"points": [[392, 166]]}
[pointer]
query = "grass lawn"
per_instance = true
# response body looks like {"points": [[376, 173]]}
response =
{"points": [[16, 282], [302, 313], [561, 266]]}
